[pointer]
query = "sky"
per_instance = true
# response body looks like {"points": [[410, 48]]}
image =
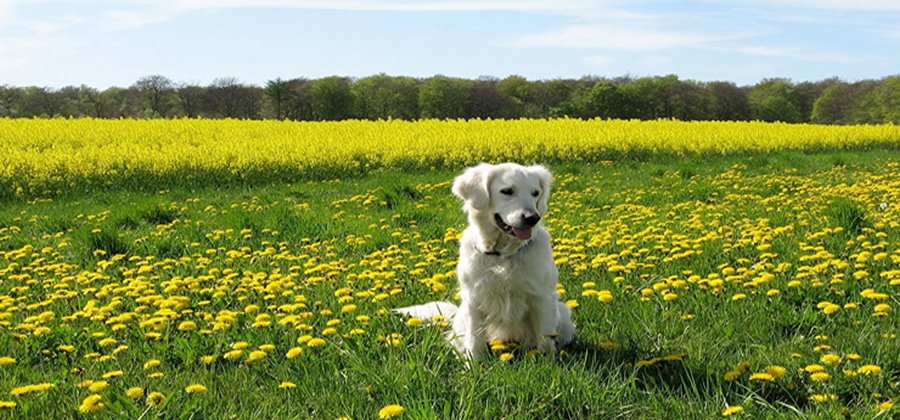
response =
{"points": [[104, 43]]}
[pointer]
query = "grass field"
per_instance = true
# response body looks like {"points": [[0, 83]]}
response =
{"points": [[764, 285]]}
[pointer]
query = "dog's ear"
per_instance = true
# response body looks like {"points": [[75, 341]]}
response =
{"points": [[545, 179], [472, 186]]}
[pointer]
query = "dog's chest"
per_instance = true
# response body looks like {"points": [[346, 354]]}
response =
{"points": [[504, 287]]}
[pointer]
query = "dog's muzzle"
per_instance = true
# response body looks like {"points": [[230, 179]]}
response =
{"points": [[522, 233]]}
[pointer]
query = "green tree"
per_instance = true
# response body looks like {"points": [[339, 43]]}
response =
{"points": [[773, 100], [278, 93], [157, 90], [382, 97], [444, 97], [332, 98]]}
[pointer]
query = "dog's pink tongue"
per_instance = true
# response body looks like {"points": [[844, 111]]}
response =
{"points": [[522, 234]]}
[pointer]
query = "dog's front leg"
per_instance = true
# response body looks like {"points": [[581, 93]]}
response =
{"points": [[469, 324], [542, 321]]}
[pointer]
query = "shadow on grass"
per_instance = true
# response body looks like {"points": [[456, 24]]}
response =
{"points": [[677, 376]]}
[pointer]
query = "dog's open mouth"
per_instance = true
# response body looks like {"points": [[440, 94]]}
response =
{"points": [[521, 234]]}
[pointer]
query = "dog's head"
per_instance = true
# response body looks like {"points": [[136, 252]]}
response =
{"points": [[513, 196]]}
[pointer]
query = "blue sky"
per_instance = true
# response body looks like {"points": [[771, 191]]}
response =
{"points": [[105, 43]]}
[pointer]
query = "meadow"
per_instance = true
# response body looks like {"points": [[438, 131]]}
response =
{"points": [[247, 269]]}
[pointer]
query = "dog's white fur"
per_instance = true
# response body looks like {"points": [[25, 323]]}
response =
{"points": [[506, 272]]}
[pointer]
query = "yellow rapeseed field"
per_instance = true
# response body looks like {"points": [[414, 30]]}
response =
{"points": [[49, 156]]}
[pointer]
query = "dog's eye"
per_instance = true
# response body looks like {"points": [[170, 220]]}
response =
{"points": [[506, 191], [535, 193]]}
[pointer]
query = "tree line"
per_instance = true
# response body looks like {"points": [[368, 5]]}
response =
{"points": [[830, 101]]}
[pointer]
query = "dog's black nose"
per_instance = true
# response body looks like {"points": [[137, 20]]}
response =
{"points": [[532, 219]]}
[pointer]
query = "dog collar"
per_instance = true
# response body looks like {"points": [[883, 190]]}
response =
{"points": [[496, 253]]}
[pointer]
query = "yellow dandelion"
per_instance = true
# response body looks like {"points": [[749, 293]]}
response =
{"points": [[414, 322], [732, 410], [156, 399], [814, 368], [506, 356], [187, 326], [820, 376], [97, 386], [605, 296], [822, 398], [885, 406], [195, 388], [208, 359], [7, 404], [152, 363], [134, 392], [90, 404], [293, 352], [762, 376], [22, 390], [732, 375], [6, 360], [233, 354], [316, 342], [869, 370], [389, 411], [776, 371], [255, 355], [830, 359], [287, 385], [113, 374]]}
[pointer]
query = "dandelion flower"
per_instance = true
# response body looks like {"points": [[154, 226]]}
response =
{"points": [[389, 411], [134, 392], [113, 374], [605, 296], [187, 326], [830, 358], [885, 406], [98, 386], [255, 355], [152, 363], [506, 356], [156, 399], [869, 369], [732, 375], [6, 360], [287, 385], [413, 322], [90, 404], [776, 371], [31, 388], [814, 368], [195, 388], [820, 376], [732, 410], [316, 342], [821, 398], [233, 354], [208, 360], [294, 352], [7, 404], [762, 376]]}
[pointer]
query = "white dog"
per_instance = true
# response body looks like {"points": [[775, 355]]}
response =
{"points": [[506, 273]]}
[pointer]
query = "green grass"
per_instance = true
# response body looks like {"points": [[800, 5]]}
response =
{"points": [[625, 226]]}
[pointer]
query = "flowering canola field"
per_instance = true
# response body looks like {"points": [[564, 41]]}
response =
{"points": [[41, 157], [762, 285]]}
